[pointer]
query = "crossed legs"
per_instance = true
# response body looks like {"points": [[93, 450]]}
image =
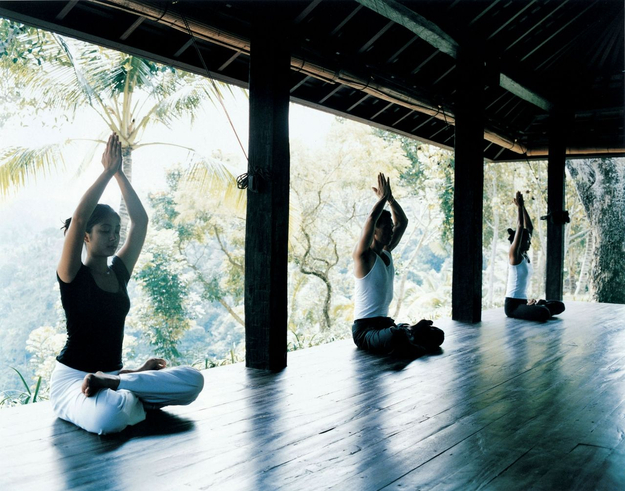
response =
{"points": [[540, 311], [115, 400]]}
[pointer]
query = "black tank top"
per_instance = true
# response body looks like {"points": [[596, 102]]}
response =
{"points": [[95, 321]]}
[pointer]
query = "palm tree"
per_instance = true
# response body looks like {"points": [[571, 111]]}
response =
{"points": [[129, 94]]}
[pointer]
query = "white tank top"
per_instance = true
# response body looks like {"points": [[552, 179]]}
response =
{"points": [[374, 292], [518, 278]]}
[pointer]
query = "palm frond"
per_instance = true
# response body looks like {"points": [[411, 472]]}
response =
{"points": [[18, 164], [60, 84], [134, 73], [213, 177], [88, 158], [185, 99], [80, 78]]}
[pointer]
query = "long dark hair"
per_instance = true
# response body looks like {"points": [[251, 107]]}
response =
{"points": [[99, 214]]}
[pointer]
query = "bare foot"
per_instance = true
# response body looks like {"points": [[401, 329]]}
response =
{"points": [[423, 323], [93, 382], [151, 364]]}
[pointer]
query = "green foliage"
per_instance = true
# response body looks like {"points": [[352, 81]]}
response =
{"points": [[166, 316], [27, 396], [22, 45], [236, 354], [23, 52], [428, 167], [446, 197]]}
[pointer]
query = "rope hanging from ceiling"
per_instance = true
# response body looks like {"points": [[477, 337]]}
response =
{"points": [[243, 180]]}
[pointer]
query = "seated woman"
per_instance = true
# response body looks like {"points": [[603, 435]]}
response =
{"points": [[88, 386], [520, 270], [374, 273]]}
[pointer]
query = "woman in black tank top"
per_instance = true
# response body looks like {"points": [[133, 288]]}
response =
{"points": [[89, 387]]}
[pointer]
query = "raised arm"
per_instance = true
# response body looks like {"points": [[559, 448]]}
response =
{"points": [[137, 229], [400, 222], [527, 221], [364, 257], [383, 191], [69, 263], [515, 248]]}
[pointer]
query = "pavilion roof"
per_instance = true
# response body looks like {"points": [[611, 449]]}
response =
{"points": [[392, 64]]}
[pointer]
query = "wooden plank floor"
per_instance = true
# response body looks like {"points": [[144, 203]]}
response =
{"points": [[507, 405]]}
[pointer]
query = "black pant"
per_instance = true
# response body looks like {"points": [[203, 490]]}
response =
{"points": [[542, 310], [382, 335], [376, 334]]}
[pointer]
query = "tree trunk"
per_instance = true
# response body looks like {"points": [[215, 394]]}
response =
{"points": [[600, 184], [327, 301], [582, 282], [123, 211], [493, 250]]}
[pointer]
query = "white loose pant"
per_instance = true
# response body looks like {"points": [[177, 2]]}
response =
{"points": [[110, 411]]}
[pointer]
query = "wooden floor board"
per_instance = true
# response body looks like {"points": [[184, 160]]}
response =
{"points": [[505, 405]]}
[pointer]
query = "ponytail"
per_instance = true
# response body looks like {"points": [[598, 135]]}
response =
{"points": [[65, 226], [511, 234]]}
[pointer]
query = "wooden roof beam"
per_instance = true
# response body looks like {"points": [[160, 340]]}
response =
{"points": [[435, 36]]}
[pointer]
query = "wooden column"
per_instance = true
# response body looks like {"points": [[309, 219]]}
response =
{"points": [[469, 185], [267, 227], [555, 203]]}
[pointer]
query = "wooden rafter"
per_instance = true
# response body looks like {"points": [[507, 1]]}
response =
{"points": [[434, 35]]}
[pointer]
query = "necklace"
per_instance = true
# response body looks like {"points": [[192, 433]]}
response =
{"points": [[106, 273]]}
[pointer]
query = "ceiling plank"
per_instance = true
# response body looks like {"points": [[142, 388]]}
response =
{"points": [[229, 60], [590, 5], [425, 29], [334, 91], [505, 24], [527, 32], [434, 35], [403, 117], [131, 29], [400, 50], [306, 11], [357, 103], [481, 14], [381, 110], [183, 48], [299, 84], [345, 20], [423, 63], [377, 36], [70, 5]]}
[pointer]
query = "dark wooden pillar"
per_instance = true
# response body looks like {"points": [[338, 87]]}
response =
{"points": [[466, 294], [267, 227], [555, 203]]}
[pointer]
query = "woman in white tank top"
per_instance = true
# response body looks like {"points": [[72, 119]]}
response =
{"points": [[373, 330], [520, 271]]}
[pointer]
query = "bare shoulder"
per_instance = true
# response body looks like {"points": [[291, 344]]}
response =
{"points": [[363, 263]]}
